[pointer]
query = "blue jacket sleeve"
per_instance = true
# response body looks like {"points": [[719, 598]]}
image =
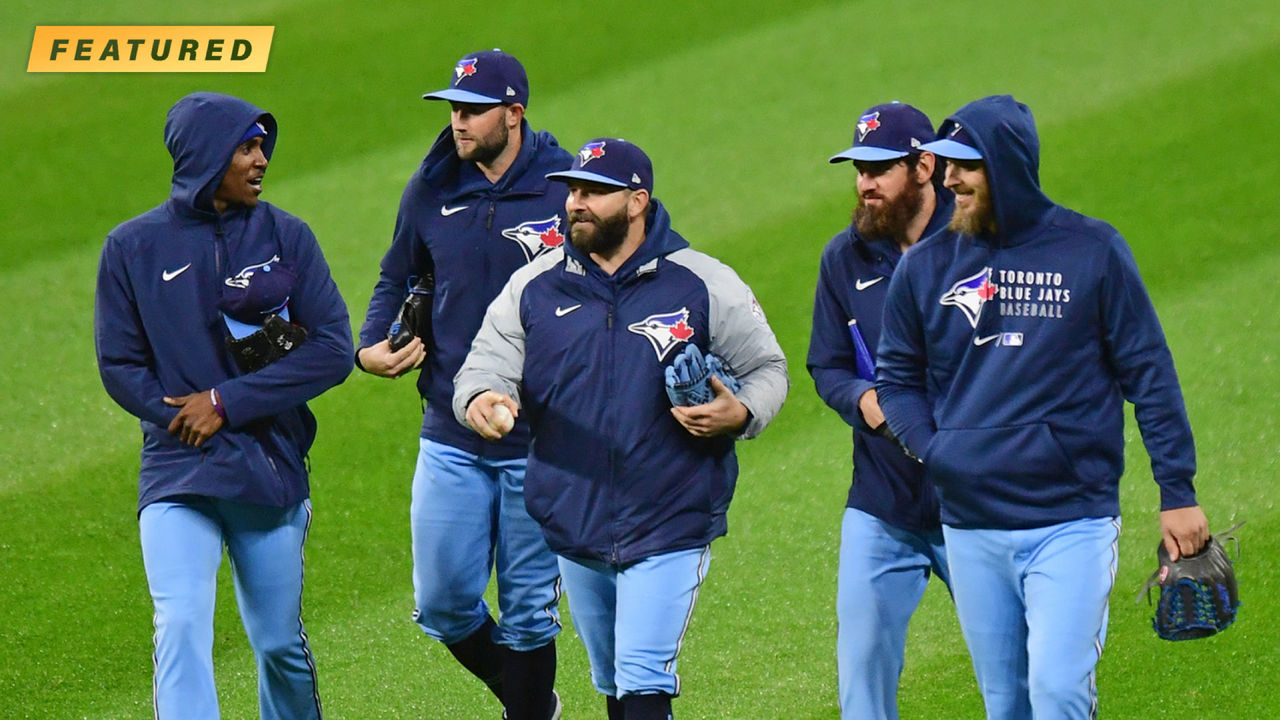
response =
{"points": [[321, 362], [125, 359], [401, 261], [1137, 349], [901, 365], [831, 358]]}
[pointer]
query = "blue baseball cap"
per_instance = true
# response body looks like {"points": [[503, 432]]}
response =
{"points": [[887, 132], [486, 77], [610, 161], [954, 142]]}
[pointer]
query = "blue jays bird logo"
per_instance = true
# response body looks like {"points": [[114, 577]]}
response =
{"points": [[591, 151], [465, 68], [867, 123], [970, 294], [536, 237], [664, 330], [241, 279]]}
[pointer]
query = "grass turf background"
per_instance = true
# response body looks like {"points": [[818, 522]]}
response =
{"points": [[1161, 121]]}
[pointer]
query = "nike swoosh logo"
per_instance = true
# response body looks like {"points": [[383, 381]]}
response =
{"points": [[864, 284], [561, 312], [447, 211], [169, 275], [985, 340]]}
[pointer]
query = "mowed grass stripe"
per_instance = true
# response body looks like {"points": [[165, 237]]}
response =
{"points": [[343, 81]]}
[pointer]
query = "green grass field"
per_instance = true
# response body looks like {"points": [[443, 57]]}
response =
{"points": [[1160, 119]]}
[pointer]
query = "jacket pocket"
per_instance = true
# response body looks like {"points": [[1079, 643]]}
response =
{"points": [[992, 475]]}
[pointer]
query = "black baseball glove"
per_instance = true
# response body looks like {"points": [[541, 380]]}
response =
{"points": [[1198, 594], [275, 339], [414, 318]]}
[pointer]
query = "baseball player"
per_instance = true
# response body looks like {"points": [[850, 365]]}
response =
{"points": [[629, 490], [1010, 343], [477, 209], [891, 537], [215, 321]]}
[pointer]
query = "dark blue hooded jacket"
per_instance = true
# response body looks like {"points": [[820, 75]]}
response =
{"points": [[612, 475], [852, 282], [473, 234], [159, 332], [1005, 359]]}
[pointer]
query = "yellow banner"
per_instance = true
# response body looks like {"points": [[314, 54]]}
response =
{"points": [[150, 48]]}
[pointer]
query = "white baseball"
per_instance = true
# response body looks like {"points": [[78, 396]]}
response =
{"points": [[500, 419]]}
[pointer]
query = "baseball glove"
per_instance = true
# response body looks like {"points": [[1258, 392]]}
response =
{"points": [[1198, 594], [414, 318], [275, 339], [688, 378]]}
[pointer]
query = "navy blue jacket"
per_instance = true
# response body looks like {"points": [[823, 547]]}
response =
{"points": [[1005, 360], [474, 234], [158, 330], [852, 282], [612, 475]]}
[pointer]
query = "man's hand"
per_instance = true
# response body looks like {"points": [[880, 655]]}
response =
{"points": [[1185, 531], [723, 415], [197, 421], [485, 419], [869, 406], [380, 360]]}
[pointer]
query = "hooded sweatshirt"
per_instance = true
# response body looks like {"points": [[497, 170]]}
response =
{"points": [[1005, 359], [159, 332], [612, 475], [472, 234]]}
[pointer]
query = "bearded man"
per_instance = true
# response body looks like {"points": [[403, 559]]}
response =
{"points": [[629, 487], [891, 538], [1010, 343]]}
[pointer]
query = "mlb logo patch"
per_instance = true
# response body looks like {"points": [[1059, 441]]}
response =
{"points": [[664, 330], [590, 151], [536, 237]]}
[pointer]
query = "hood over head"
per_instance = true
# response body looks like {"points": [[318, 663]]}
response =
{"points": [[1004, 133], [203, 129]]}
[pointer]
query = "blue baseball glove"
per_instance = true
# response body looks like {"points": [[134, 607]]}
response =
{"points": [[689, 377], [1198, 593]]}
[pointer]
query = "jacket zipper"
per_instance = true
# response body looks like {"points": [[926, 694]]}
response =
{"points": [[613, 475]]}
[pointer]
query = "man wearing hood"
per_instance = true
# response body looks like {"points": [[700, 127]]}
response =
{"points": [[216, 320], [1010, 343], [890, 536], [477, 209], [629, 490]]}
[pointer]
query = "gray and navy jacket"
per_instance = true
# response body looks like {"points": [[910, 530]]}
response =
{"points": [[1005, 360], [612, 475], [852, 281], [472, 234], [158, 331]]}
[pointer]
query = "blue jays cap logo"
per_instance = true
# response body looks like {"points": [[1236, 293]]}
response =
{"points": [[590, 151], [242, 278], [867, 123], [536, 237], [970, 294], [664, 330], [465, 68]]}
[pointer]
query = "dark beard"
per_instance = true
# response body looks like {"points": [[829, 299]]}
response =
{"points": [[603, 238], [488, 148], [891, 220]]}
